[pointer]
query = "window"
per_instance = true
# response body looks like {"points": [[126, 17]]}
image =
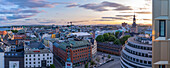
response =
{"points": [[149, 62], [145, 62], [161, 66], [162, 26], [141, 61], [137, 60]]}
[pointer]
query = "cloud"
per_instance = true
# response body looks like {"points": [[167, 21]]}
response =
{"points": [[94, 7], [144, 12], [117, 18], [13, 17], [124, 15], [19, 11], [80, 21], [102, 6], [18, 16], [139, 12], [147, 19], [31, 3], [72, 5], [48, 22], [102, 20], [124, 8]]}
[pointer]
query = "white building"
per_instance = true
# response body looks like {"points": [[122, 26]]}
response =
{"points": [[137, 53], [1, 58], [94, 49], [104, 31], [36, 55]]}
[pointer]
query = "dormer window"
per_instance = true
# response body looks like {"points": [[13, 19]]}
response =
{"points": [[162, 28]]}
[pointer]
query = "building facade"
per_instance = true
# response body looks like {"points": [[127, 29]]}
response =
{"points": [[75, 51], [134, 28], [137, 53], [36, 55], [38, 58], [1, 58], [161, 34], [109, 48], [14, 60]]}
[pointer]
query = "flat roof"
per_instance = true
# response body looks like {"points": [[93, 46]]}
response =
{"points": [[37, 51], [161, 62], [80, 34], [136, 42]]}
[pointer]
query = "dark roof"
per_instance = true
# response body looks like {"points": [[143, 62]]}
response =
{"points": [[14, 54], [1, 50], [36, 45]]}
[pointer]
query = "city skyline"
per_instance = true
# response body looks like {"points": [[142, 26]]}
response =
{"points": [[86, 12]]}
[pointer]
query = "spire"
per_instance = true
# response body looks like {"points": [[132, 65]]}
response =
{"points": [[134, 20]]}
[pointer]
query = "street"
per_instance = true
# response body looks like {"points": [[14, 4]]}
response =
{"points": [[112, 64]]}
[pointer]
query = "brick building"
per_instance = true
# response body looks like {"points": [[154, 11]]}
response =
{"points": [[76, 51]]}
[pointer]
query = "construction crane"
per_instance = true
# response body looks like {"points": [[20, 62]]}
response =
{"points": [[71, 24]]}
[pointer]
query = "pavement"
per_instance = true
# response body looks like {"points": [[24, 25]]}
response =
{"points": [[57, 64], [112, 64]]}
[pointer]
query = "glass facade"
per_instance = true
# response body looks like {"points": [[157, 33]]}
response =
{"points": [[162, 27]]}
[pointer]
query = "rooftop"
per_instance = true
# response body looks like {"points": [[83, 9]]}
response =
{"points": [[37, 51], [74, 43], [14, 54], [35, 45], [1, 50], [132, 40], [81, 34]]}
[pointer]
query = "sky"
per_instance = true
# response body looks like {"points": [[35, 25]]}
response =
{"points": [[80, 12]]}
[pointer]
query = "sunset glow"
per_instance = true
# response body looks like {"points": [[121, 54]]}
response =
{"points": [[83, 12]]}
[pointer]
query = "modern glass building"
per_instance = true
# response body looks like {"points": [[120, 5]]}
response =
{"points": [[161, 34], [137, 52]]}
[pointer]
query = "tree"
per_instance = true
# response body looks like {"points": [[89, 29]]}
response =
{"points": [[109, 33], [117, 42], [126, 32], [14, 31], [106, 36], [113, 33], [109, 56], [92, 63], [124, 38], [52, 66], [86, 65], [97, 59], [100, 38], [117, 34], [112, 38]]}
